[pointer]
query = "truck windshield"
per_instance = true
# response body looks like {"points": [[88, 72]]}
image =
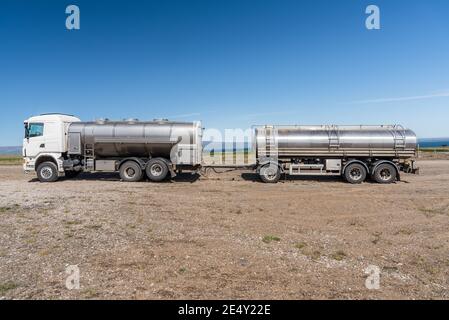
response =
{"points": [[35, 130]]}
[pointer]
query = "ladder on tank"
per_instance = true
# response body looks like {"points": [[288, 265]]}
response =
{"points": [[334, 137], [398, 132], [270, 142]]}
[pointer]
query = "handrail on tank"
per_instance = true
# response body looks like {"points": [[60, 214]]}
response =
{"points": [[321, 126]]}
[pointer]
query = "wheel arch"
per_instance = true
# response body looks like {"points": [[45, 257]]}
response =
{"points": [[355, 161], [267, 162], [142, 163], [45, 158], [167, 162]]}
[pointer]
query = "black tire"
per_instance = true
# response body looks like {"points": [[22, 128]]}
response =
{"points": [[156, 170], [130, 171], [72, 174], [270, 173], [355, 173], [47, 172], [385, 173]]}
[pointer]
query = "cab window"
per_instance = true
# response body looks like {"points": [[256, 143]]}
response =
{"points": [[35, 130]]}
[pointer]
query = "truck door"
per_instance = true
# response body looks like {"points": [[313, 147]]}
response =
{"points": [[34, 142]]}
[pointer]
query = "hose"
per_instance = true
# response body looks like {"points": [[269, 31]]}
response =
{"points": [[204, 171]]}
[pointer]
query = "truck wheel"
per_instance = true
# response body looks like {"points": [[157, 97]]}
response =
{"points": [[156, 170], [47, 172], [355, 173], [130, 171], [270, 173], [385, 173]]}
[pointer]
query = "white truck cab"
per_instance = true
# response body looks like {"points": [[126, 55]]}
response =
{"points": [[45, 142]]}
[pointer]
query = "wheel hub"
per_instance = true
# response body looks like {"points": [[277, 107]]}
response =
{"points": [[385, 174], [270, 173], [156, 170], [46, 172], [356, 174], [130, 173]]}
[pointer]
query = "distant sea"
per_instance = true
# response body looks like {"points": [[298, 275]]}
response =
{"points": [[10, 150], [433, 143], [218, 146]]}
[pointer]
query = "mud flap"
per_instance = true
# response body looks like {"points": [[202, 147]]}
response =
{"points": [[172, 172]]}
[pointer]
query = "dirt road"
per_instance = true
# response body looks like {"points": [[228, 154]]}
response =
{"points": [[225, 236]]}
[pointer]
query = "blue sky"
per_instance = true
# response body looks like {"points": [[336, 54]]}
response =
{"points": [[228, 63]]}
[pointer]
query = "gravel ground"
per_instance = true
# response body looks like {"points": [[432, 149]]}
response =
{"points": [[224, 236]]}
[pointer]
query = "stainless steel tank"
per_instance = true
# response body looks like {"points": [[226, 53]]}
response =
{"points": [[109, 139], [335, 140]]}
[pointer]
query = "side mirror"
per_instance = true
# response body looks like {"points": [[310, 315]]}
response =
{"points": [[27, 134]]}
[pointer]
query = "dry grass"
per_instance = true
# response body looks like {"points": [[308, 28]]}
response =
{"points": [[6, 160], [435, 149], [269, 239], [7, 286]]}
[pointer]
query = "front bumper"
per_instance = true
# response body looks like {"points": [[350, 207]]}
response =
{"points": [[28, 165]]}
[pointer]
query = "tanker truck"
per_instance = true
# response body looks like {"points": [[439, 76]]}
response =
{"points": [[58, 145]]}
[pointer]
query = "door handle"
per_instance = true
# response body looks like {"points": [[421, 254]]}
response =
{"points": [[42, 145]]}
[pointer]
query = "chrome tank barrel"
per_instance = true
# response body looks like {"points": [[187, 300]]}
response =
{"points": [[338, 140], [133, 138]]}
